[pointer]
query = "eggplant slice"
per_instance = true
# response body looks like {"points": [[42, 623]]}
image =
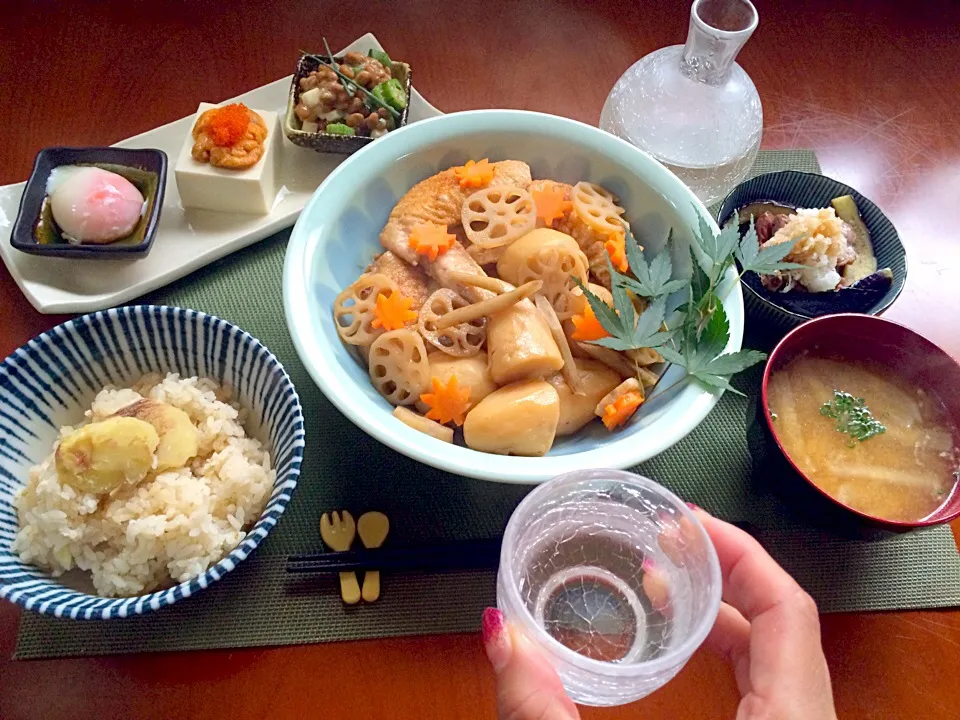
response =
{"points": [[756, 209], [866, 262], [860, 297]]}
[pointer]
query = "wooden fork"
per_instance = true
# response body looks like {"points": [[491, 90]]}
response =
{"points": [[338, 532]]}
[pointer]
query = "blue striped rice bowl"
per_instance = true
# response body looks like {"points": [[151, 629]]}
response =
{"points": [[51, 380]]}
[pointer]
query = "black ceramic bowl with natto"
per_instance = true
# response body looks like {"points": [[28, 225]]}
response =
{"points": [[336, 137]]}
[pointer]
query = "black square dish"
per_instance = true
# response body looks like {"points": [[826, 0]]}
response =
{"points": [[326, 142], [36, 233]]}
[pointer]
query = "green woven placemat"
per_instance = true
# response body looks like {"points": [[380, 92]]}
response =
{"points": [[258, 604]]}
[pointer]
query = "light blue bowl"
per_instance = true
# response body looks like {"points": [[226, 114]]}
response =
{"points": [[337, 236], [51, 380]]}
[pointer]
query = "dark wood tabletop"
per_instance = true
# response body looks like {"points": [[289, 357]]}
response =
{"points": [[873, 86]]}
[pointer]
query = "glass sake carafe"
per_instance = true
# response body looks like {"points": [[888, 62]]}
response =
{"points": [[691, 106]]}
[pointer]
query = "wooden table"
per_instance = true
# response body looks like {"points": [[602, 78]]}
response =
{"points": [[873, 87]]}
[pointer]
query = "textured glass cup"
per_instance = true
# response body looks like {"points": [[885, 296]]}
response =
{"points": [[613, 578], [691, 106]]}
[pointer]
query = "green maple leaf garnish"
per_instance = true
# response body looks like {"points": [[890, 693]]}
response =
{"points": [[714, 336], [606, 315], [702, 296], [700, 329], [627, 331], [702, 353], [647, 332], [651, 280], [718, 249], [622, 303]]}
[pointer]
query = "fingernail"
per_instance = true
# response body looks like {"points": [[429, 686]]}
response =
{"points": [[656, 585], [694, 507], [496, 639]]}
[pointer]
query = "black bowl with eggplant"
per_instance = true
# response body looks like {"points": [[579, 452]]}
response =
{"points": [[847, 254]]}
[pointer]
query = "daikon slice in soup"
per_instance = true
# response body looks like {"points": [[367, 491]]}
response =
{"points": [[864, 436]]}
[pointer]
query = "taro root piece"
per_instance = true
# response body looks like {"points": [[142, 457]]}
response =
{"points": [[517, 419]]}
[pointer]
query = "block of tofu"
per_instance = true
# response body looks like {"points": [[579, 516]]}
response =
{"points": [[252, 190]]}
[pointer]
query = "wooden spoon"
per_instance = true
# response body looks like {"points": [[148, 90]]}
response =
{"points": [[339, 533], [373, 528]]}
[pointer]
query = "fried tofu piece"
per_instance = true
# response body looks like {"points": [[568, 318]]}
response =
{"points": [[413, 281], [439, 199]]}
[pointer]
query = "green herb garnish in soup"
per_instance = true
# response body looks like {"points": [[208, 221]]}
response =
{"points": [[853, 417], [865, 435]]}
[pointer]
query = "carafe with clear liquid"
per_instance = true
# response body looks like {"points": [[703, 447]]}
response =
{"points": [[692, 107]]}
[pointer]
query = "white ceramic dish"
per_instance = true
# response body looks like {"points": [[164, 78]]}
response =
{"points": [[337, 236], [186, 239]]}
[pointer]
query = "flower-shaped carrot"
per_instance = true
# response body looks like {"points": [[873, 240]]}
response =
{"points": [[447, 402], [550, 203], [616, 247], [587, 327], [475, 174], [392, 311], [622, 409], [431, 239]]}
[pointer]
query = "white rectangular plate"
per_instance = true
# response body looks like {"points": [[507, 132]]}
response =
{"points": [[186, 239]]}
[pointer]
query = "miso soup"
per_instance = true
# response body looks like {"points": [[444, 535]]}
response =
{"points": [[865, 437]]}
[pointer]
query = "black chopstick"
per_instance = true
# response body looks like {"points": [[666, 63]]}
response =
{"points": [[440, 557]]}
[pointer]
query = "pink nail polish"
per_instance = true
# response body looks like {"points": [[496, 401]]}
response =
{"points": [[491, 625], [496, 638], [694, 507], [648, 564]]}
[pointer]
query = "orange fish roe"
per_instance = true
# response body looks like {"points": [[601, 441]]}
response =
{"points": [[393, 311], [229, 124], [621, 409], [475, 174]]}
